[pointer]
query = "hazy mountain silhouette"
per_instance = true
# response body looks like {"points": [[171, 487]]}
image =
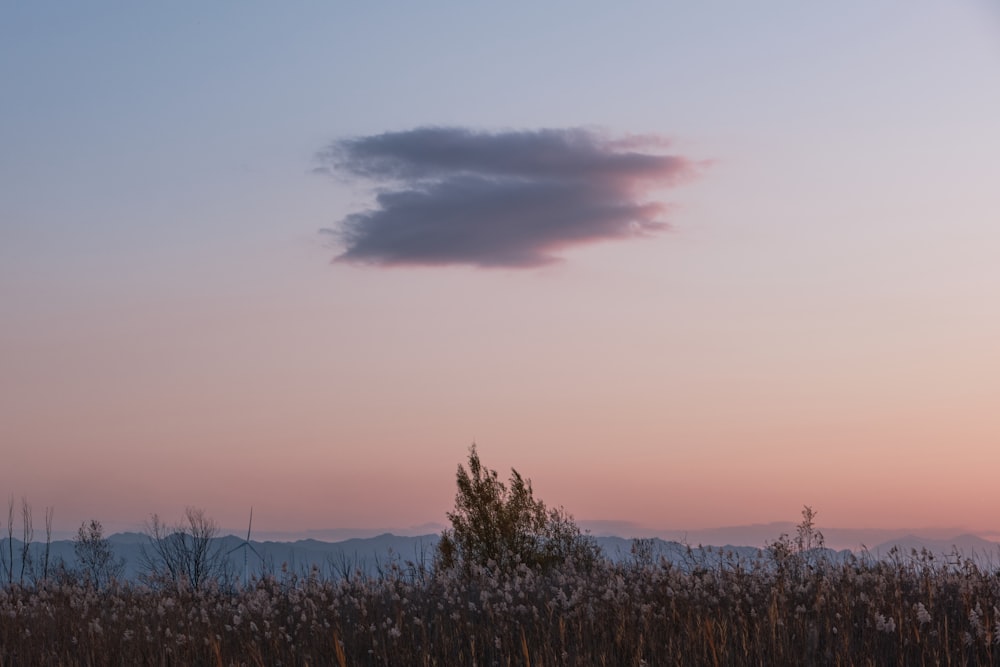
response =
{"points": [[371, 555], [968, 545]]}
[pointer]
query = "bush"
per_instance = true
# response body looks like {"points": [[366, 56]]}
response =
{"points": [[497, 526]]}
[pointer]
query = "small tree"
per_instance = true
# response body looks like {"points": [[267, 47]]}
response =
{"points": [[49, 512], [27, 535], [808, 537], [95, 557], [805, 549], [494, 525], [187, 553], [8, 554]]}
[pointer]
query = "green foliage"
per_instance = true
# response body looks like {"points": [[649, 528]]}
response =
{"points": [[499, 526]]}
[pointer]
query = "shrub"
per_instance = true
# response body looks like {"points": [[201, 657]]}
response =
{"points": [[499, 526]]}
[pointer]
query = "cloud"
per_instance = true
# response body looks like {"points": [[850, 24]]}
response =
{"points": [[502, 199]]}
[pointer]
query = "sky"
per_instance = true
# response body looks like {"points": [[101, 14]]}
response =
{"points": [[684, 265]]}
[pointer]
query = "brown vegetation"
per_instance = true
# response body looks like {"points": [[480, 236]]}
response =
{"points": [[788, 606]]}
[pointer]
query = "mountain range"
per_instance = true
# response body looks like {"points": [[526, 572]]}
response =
{"points": [[373, 554]]}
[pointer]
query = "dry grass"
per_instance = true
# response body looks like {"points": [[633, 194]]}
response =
{"points": [[902, 611]]}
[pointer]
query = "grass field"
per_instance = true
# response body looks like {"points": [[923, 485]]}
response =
{"points": [[784, 608]]}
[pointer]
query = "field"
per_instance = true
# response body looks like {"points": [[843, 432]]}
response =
{"points": [[785, 607]]}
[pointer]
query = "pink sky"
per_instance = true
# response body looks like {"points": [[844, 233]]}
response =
{"points": [[818, 326]]}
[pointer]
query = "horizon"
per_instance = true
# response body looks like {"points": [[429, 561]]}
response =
{"points": [[757, 535], [681, 267]]}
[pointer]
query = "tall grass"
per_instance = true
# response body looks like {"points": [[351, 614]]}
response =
{"points": [[787, 610]]}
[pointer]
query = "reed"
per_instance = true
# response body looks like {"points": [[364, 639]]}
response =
{"points": [[913, 610]]}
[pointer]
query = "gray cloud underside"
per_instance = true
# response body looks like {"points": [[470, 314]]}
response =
{"points": [[511, 199]]}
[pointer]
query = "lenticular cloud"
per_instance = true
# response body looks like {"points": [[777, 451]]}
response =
{"points": [[503, 199]]}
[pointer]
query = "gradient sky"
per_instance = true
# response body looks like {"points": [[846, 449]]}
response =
{"points": [[812, 317]]}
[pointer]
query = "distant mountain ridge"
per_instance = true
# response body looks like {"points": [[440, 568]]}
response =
{"points": [[373, 554], [968, 545]]}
